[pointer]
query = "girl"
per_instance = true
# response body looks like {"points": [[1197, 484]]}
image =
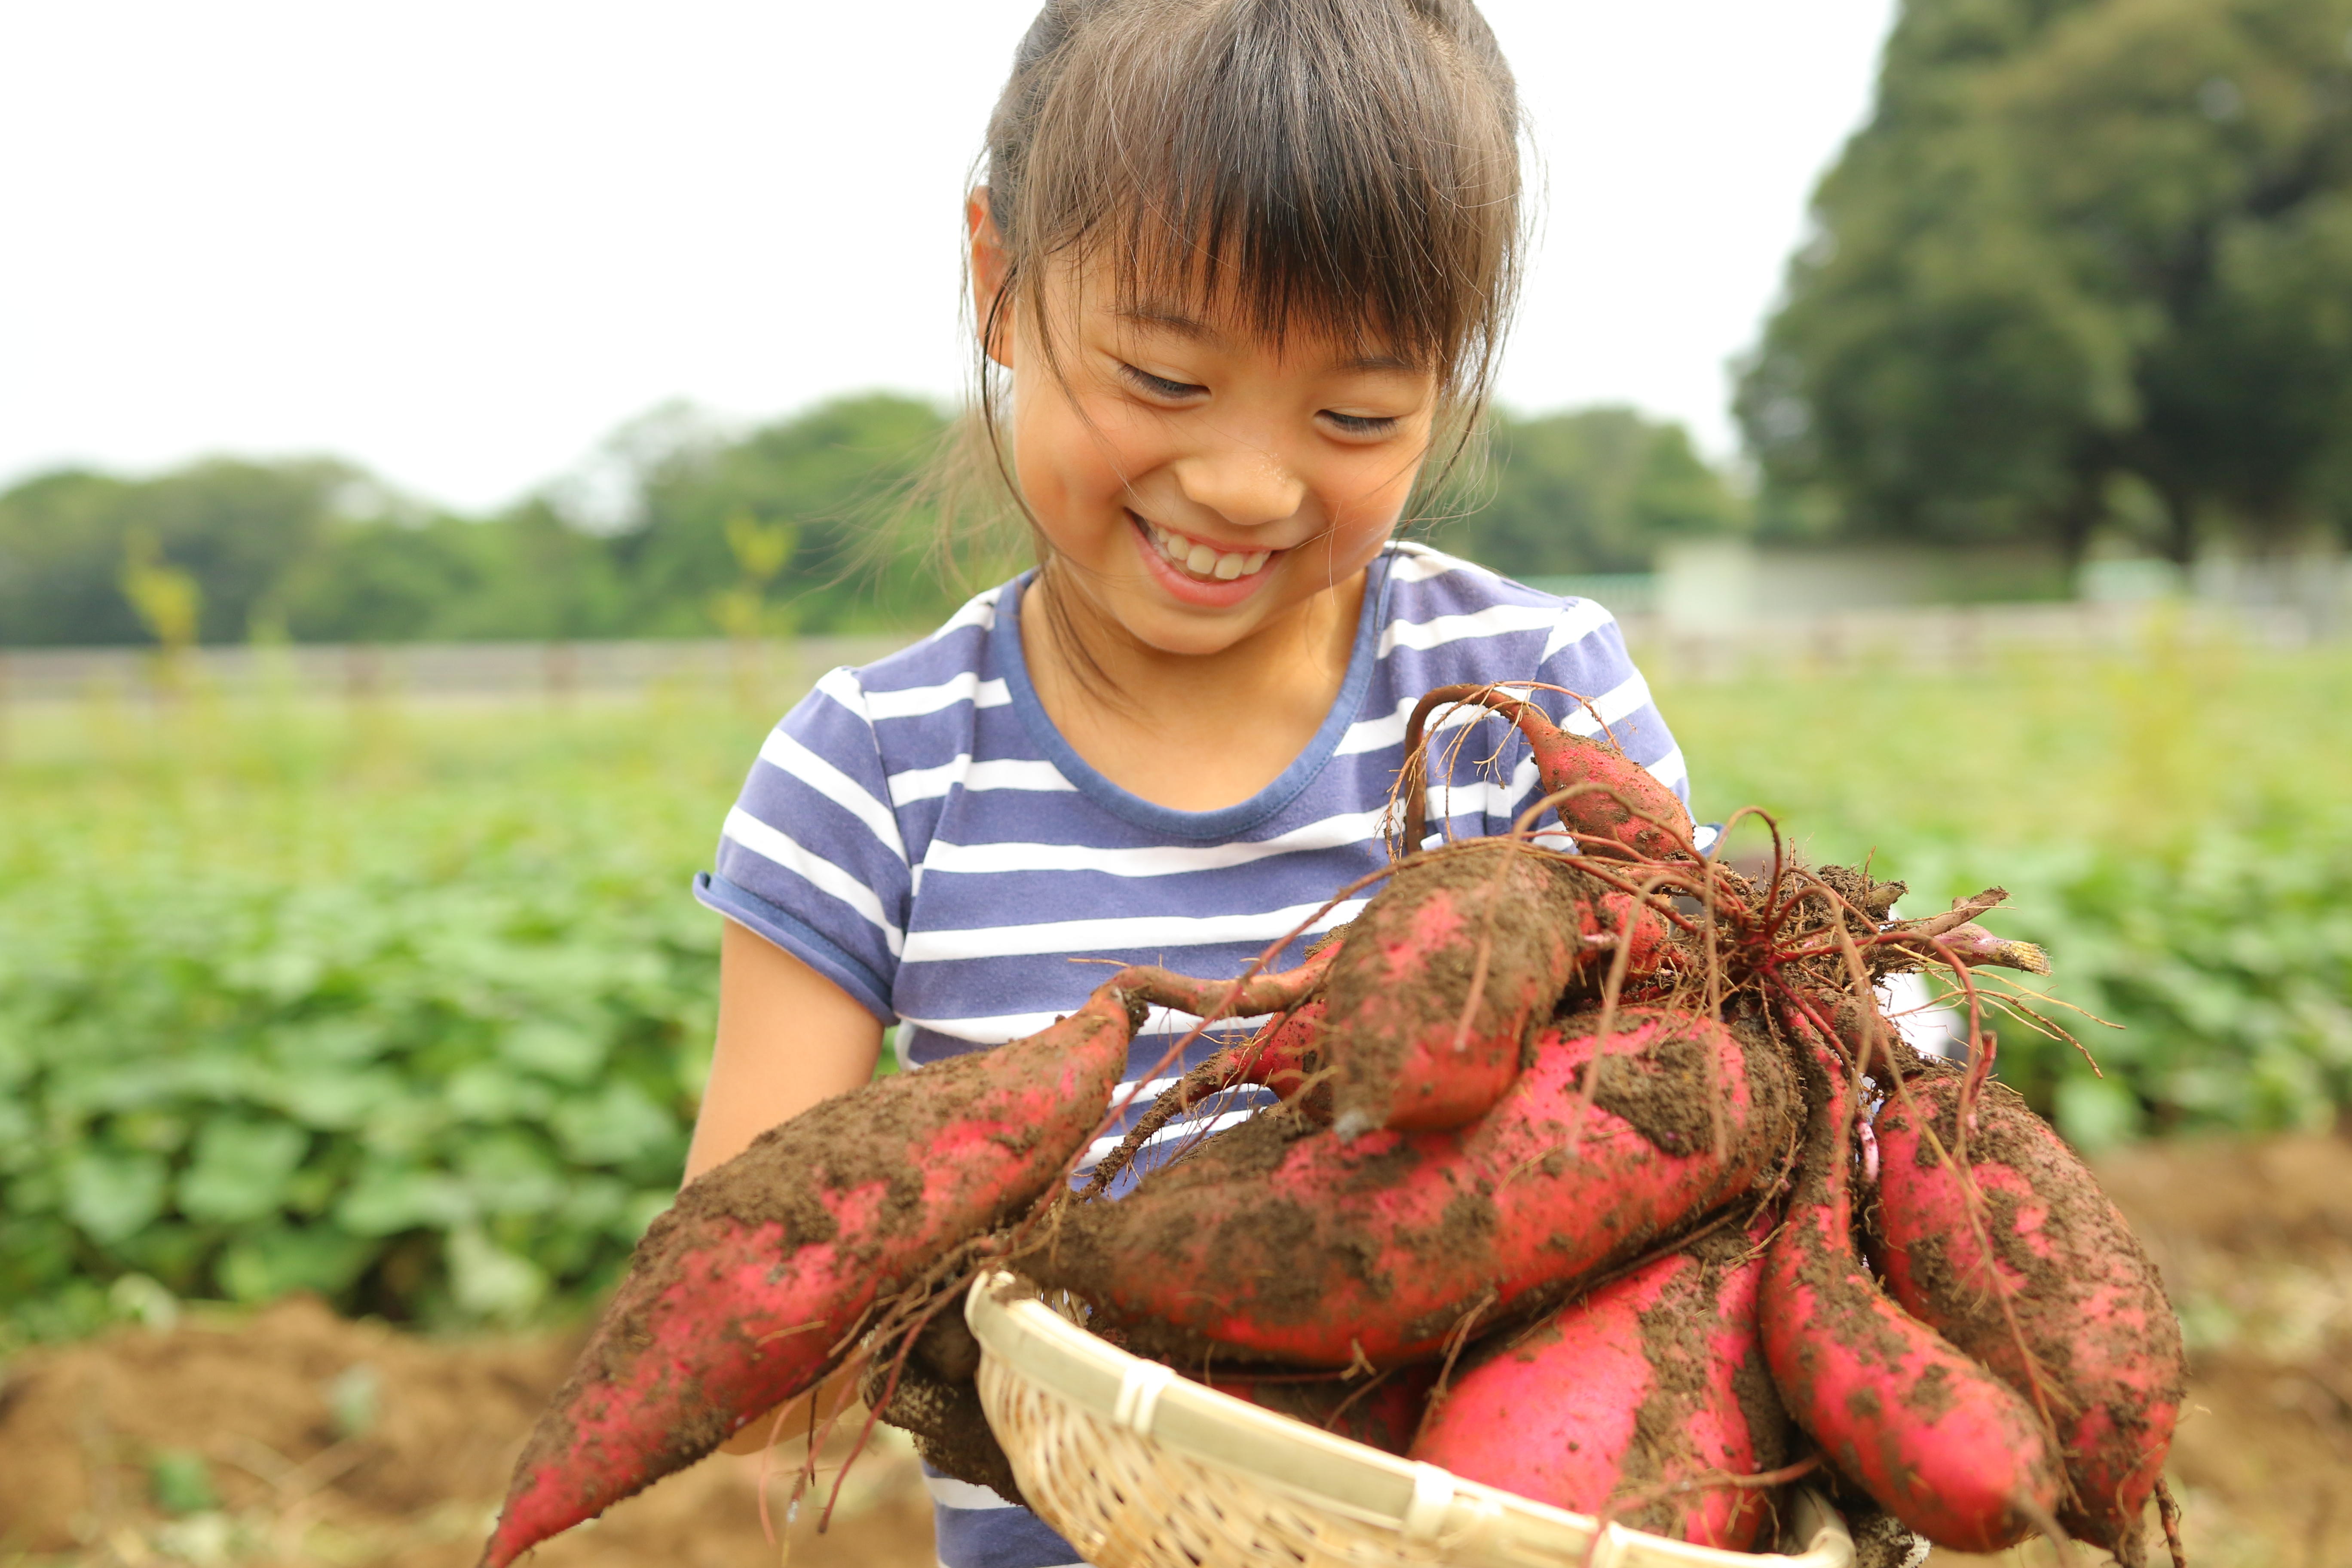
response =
{"points": [[1241, 270]]}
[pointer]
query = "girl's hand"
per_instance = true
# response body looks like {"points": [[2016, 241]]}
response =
{"points": [[788, 1037]]}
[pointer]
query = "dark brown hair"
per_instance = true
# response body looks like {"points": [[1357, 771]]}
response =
{"points": [[1346, 167]]}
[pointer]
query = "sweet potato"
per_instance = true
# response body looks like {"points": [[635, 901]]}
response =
{"points": [[1286, 1245], [1934, 1438], [1618, 793], [1630, 1400], [2086, 1310], [1449, 969], [739, 1297]]}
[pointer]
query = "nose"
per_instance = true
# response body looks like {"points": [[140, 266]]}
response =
{"points": [[1246, 484]]}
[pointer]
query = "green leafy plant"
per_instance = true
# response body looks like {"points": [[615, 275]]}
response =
{"points": [[2174, 823], [299, 1002]]}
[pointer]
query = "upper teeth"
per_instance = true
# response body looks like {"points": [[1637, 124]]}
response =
{"points": [[1202, 561]]}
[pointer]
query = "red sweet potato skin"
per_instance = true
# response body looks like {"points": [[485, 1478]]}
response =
{"points": [[1651, 1382], [1934, 1438], [1619, 788], [1620, 801], [1281, 1245], [737, 1297], [1422, 1035], [2089, 1308], [1282, 1056]]}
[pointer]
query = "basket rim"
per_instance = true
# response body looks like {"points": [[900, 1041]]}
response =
{"points": [[1421, 1501]]}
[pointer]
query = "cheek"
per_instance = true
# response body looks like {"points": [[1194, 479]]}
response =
{"points": [[1075, 463], [1368, 497]]}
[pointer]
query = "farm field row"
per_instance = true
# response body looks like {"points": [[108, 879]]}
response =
{"points": [[406, 1004]]}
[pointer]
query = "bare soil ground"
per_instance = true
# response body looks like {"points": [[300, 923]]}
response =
{"points": [[99, 1441], [290, 1437]]}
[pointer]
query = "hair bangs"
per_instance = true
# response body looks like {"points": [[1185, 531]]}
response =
{"points": [[1329, 167]]}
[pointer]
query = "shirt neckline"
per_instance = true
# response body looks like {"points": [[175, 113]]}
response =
{"points": [[1227, 821]]}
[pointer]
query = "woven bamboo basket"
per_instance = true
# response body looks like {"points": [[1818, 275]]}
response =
{"points": [[1137, 1468]]}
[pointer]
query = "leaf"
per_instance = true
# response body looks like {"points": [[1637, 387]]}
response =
{"points": [[489, 1283], [565, 1052], [181, 1481], [493, 1092], [616, 1127], [387, 1198], [2097, 1113], [112, 1193], [241, 1169], [511, 1172], [332, 1099], [266, 1265]]}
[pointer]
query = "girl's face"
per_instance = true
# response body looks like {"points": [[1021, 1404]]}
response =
{"points": [[1201, 482]]}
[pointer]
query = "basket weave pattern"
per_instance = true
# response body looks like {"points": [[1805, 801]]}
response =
{"points": [[1127, 1502], [1138, 1469]]}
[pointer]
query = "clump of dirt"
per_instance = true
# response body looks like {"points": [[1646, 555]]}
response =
{"points": [[928, 1390], [290, 1436], [1662, 1090]]}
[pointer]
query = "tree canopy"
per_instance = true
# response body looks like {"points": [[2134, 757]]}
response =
{"points": [[2088, 266], [1592, 490], [812, 523]]}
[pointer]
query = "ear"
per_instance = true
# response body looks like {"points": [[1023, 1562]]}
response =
{"points": [[989, 265]]}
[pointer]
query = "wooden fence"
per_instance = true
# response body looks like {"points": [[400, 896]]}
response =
{"points": [[1922, 639]]}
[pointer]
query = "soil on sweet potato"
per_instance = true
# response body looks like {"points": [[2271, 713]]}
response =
{"points": [[1251, 1219], [2253, 1241], [944, 1419], [1676, 1336], [1413, 964], [889, 1138], [2088, 1302], [1664, 1092], [851, 1142]]}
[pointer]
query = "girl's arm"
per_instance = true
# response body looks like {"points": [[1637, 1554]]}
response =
{"points": [[788, 1037]]}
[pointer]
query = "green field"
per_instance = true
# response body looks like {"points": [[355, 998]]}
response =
{"points": [[409, 1004]]}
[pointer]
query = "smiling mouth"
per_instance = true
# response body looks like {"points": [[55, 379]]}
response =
{"points": [[1204, 562]]}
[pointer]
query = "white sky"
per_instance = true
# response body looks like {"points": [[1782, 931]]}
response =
{"points": [[460, 242]]}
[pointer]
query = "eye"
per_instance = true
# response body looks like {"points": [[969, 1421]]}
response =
{"points": [[1160, 385], [1362, 424]]}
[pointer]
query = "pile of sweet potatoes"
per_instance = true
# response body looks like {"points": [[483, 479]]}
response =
{"points": [[1596, 1175]]}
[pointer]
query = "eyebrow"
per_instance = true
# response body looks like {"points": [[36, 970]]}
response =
{"points": [[1198, 331], [1172, 321]]}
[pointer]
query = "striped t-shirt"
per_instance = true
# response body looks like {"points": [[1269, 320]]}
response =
{"points": [[917, 832]]}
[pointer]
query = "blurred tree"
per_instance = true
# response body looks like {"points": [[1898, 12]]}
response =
{"points": [[2080, 242], [812, 522], [839, 474], [1594, 489], [233, 527]]}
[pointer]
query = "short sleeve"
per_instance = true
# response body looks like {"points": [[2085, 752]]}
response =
{"points": [[1601, 692], [812, 856]]}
